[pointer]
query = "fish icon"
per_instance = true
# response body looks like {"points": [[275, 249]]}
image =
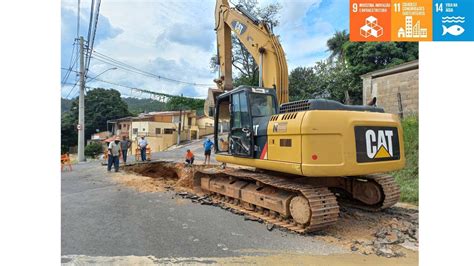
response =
{"points": [[453, 30]]}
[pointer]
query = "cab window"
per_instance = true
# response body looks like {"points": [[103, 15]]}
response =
{"points": [[262, 104]]}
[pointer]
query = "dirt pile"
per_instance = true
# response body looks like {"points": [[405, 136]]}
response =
{"points": [[384, 233], [159, 176]]}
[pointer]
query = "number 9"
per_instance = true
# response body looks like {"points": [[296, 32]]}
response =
{"points": [[354, 7]]}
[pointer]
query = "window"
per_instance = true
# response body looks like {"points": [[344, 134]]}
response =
{"points": [[190, 121], [168, 131], [157, 131], [223, 123], [135, 131], [240, 111], [119, 126], [262, 104]]}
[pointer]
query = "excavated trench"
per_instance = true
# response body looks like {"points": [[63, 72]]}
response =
{"points": [[167, 173], [382, 233]]}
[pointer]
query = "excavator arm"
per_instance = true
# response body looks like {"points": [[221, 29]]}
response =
{"points": [[259, 41]]}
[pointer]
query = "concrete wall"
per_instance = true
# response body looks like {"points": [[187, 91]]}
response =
{"points": [[206, 125], [387, 89]]}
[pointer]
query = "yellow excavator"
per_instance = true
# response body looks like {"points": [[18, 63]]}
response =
{"points": [[306, 157]]}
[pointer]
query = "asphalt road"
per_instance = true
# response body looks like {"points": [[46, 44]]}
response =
{"points": [[102, 218]]}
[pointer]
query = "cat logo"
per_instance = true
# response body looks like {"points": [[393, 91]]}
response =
{"points": [[377, 144], [238, 27]]}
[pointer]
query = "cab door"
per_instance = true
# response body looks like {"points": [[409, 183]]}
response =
{"points": [[241, 133]]}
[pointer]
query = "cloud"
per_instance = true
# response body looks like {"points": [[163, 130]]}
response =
{"points": [[190, 35], [68, 34], [177, 39]]}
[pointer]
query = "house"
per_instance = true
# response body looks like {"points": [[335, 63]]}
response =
{"points": [[159, 128], [205, 125], [401, 33], [99, 136], [396, 88], [209, 104], [120, 127]]}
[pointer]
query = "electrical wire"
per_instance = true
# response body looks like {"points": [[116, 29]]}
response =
{"points": [[91, 43], [114, 62]]}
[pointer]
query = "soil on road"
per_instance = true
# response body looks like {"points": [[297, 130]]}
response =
{"points": [[135, 218]]}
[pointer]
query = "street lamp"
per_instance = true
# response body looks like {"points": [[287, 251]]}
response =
{"points": [[113, 68]]}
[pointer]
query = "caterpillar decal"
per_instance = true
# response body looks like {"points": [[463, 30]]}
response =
{"points": [[377, 144]]}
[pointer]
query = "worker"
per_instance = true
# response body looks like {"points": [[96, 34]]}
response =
{"points": [[207, 150], [143, 143], [189, 158], [124, 146], [114, 155]]}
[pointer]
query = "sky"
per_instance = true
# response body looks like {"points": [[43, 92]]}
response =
{"points": [[176, 39]]}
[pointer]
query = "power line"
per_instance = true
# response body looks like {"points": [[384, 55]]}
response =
{"points": [[91, 43], [66, 76], [90, 20], [72, 88], [143, 90], [111, 61]]}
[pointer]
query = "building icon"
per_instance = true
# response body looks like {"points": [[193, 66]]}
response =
{"points": [[412, 31], [371, 28], [408, 26]]}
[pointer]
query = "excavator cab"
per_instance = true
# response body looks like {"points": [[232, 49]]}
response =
{"points": [[238, 114]]}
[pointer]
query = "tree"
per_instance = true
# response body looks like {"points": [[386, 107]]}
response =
{"points": [[137, 106], [332, 81], [100, 105], [242, 60], [336, 45], [301, 83], [366, 57], [370, 56], [185, 103]]}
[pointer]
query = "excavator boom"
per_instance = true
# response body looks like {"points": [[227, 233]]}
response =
{"points": [[259, 41]]}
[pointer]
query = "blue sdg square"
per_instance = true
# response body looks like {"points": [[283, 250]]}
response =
{"points": [[453, 20]]}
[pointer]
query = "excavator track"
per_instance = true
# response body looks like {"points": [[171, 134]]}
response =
{"points": [[390, 189], [322, 211]]}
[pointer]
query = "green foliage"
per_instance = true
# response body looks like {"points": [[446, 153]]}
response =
{"points": [[245, 80], [370, 56], [68, 131], [302, 83], [332, 80], [184, 103], [242, 60], [65, 105], [336, 45], [93, 149], [407, 177], [137, 106], [327, 80], [100, 105]]}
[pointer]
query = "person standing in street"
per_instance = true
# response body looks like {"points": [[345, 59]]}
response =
{"points": [[114, 155], [207, 150], [124, 146], [143, 143]]}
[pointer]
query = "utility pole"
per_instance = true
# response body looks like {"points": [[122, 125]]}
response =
{"points": [[80, 125], [180, 121]]}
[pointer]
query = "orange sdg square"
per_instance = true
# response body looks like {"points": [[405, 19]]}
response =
{"points": [[370, 20], [412, 20]]}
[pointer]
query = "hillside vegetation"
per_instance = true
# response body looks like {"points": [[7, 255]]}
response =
{"points": [[407, 178]]}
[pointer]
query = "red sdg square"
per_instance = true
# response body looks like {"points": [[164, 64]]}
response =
{"points": [[370, 20]]}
